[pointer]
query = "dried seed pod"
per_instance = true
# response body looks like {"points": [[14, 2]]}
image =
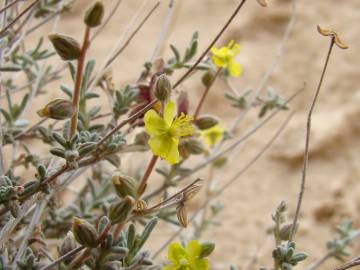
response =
{"points": [[192, 190], [65, 46], [181, 214], [58, 109], [333, 34], [262, 3], [84, 233], [141, 205], [94, 15]]}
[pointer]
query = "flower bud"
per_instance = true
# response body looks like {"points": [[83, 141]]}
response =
{"points": [[206, 249], [193, 146], [119, 212], [162, 88], [206, 122], [208, 78], [285, 231], [84, 233], [68, 245], [94, 14], [183, 103], [142, 138], [124, 185], [66, 47], [58, 109]]}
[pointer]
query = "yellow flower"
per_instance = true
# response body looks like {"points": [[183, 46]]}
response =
{"points": [[224, 58], [212, 135], [166, 131], [188, 258]]}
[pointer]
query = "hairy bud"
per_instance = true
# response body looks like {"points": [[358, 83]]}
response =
{"points": [[162, 88], [84, 233], [94, 14], [206, 122], [119, 212], [58, 109], [124, 185], [66, 47], [68, 245]]}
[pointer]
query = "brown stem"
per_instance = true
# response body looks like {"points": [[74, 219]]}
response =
{"points": [[147, 173], [204, 95], [78, 79], [307, 142], [2, 31], [349, 265], [232, 17]]}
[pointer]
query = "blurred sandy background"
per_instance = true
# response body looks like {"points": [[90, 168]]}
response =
{"points": [[332, 189]]}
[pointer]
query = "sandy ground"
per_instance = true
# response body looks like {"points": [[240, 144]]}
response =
{"points": [[332, 188]]}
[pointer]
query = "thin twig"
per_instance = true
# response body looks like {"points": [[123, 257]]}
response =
{"points": [[118, 47], [34, 221], [164, 30], [204, 95], [2, 31], [9, 5], [349, 265], [229, 21], [307, 142]]}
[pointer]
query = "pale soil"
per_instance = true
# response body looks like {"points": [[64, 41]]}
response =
{"points": [[332, 188]]}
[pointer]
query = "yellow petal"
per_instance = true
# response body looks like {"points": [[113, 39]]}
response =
{"points": [[212, 135], [173, 155], [169, 112], [175, 252], [160, 145], [234, 69], [154, 124], [193, 248]]}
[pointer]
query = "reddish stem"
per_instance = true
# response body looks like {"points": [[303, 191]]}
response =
{"points": [[204, 95], [146, 176], [78, 79]]}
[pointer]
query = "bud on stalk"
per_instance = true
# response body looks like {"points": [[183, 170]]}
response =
{"points": [[162, 88], [58, 109], [65, 46], [119, 212], [84, 233], [94, 14], [124, 185], [206, 122]]}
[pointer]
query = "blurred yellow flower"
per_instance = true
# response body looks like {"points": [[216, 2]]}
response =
{"points": [[212, 135], [166, 131], [224, 58], [187, 258]]}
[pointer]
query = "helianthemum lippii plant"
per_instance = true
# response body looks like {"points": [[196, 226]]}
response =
{"points": [[95, 149]]}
